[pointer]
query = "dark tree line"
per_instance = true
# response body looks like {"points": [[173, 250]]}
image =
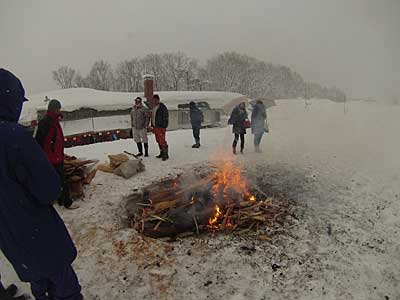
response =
{"points": [[229, 71]]}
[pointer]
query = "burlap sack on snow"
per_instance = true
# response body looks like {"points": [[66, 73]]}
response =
{"points": [[130, 168]]}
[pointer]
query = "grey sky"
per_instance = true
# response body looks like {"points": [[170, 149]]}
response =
{"points": [[353, 44]]}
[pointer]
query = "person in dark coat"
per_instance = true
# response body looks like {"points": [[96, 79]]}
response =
{"points": [[159, 123], [50, 137], [259, 123], [240, 121], [33, 237], [196, 118]]}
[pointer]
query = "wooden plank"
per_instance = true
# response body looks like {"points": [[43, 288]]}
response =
{"points": [[227, 214], [164, 205], [88, 179]]}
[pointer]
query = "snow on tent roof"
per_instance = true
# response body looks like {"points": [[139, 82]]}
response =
{"points": [[76, 98]]}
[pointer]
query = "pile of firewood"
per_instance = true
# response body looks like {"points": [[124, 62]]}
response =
{"points": [[77, 174], [170, 208]]}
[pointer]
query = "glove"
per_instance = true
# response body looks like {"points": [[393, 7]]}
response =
{"points": [[10, 292]]}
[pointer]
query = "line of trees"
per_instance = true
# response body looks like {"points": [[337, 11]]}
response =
{"points": [[229, 71]]}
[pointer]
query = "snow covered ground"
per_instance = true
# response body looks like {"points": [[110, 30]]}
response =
{"points": [[341, 170]]}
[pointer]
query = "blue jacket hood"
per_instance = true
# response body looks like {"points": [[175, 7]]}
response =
{"points": [[12, 96]]}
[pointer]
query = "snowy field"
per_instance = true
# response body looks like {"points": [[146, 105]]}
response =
{"points": [[341, 170]]}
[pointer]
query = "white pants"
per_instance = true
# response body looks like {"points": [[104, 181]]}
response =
{"points": [[140, 135]]}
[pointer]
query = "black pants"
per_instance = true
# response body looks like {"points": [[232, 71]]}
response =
{"points": [[63, 285], [64, 198], [196, 133], [236, 140]]}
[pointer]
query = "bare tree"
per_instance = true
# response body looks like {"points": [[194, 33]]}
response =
{"points": [[128, 76], [178, 66], [154, 64], [80, 81], [64, 77], [190, 73], [228, 71], [101, 76], [201, 81]]}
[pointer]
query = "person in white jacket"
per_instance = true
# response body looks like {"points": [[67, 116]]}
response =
{"points": [[259, 124], [140, 121]]}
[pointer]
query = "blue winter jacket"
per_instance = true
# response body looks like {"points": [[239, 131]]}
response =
{"points": [[32, 235]]}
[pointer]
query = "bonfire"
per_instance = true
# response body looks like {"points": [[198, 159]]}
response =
{"points": [[220, 200]]}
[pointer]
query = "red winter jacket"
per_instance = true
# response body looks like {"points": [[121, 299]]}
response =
{"points": [[50, 136]]}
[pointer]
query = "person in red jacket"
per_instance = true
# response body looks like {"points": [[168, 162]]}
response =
{"points": [[50, 137], [159, 123]]}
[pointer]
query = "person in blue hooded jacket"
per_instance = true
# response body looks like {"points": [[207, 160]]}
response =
{"points": [[33, 237], [196, 118]]}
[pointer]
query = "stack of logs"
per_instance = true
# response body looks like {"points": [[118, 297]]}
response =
{"points": [[77, 174], [168, 209]]}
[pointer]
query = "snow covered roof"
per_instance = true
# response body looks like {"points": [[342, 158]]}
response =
{"points": [[76, 98]]}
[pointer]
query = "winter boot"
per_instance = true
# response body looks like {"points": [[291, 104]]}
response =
{"points": [[165, 154], [241, 150], [140, 149], [161, 153], [146, 150], [234, 149], [196, 145]]}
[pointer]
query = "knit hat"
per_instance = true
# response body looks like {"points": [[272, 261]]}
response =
{"points": [[54, 105]]}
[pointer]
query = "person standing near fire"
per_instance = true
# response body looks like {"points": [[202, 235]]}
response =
{"points": [[259, 124], [196, 118], [159, 123], [240, 121], [33, 237], [140, 121], [50, 137]]}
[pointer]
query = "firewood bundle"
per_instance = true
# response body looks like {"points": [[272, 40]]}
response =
{"points": [[169, 208], [77, 174]]}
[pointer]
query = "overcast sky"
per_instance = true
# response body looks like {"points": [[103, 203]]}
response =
{"points": [[353, 44]]}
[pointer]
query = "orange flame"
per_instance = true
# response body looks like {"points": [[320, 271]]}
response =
{"points": [[216, 216], [230, 186], [229, 179]]}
